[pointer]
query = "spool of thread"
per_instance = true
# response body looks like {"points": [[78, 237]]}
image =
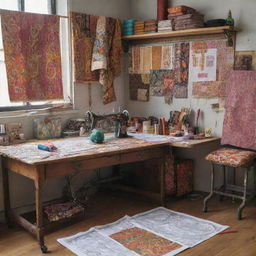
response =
{"points": [[146, 126], [162, 6]]}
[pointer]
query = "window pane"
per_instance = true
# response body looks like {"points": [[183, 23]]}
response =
{"points": [[9, 4], [38, 6]]}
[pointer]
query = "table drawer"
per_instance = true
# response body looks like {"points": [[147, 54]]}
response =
{"points": [[64, 168]]}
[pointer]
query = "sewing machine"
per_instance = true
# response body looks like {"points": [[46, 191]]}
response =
{"points": [[120, 119]]}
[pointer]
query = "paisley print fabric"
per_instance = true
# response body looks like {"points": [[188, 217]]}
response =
{"points": [[83, 33], [232, 157], [106, 55], [144, 243], [239, 126], [32, 55]]}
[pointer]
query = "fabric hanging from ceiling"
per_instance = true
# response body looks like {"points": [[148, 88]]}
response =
{"points": [[32, 56]]}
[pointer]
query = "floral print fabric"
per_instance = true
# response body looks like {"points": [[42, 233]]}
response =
{"points": [[32, 55], [239, 126], [232, 157]]}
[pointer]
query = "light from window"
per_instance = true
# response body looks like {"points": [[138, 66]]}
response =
{"points": [[38, 6], [9, 4]]}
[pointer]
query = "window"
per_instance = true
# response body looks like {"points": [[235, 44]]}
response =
{"points": [[43, 7]]}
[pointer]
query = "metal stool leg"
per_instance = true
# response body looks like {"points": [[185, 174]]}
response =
{"points": [[242, 205], [223, 188], [205, 208]]}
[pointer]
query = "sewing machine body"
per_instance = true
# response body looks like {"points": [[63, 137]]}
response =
{"points": [[120, 119]]}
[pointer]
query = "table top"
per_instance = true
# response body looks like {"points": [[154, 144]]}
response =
{"points": [[81, 147]]}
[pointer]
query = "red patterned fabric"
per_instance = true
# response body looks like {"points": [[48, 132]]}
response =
{"points": [[232, 157], [144, 242], [184, 170], [239, 127], [32, 55]]}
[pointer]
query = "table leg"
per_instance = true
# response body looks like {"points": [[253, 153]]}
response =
{"points": [[39, 211], [161, 165], [6, 194]]}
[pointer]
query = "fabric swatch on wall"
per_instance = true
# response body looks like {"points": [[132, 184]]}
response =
{"points": [[136, 60], [167, 57], [83, 33], [247, 58], [225, 62], [138, 89], [239, 126], [147, 60], [181, 70], [157, 81], [156, 57]]}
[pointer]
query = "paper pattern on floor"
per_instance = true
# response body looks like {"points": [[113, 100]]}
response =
{"points": [[180, 228]]}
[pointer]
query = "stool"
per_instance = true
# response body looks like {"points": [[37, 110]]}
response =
{"points": [[239, 160]]}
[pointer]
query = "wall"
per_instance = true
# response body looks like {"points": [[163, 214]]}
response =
{"points": [[21, 188], [243, 13]]}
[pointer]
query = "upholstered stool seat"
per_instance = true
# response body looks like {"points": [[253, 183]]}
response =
{"points": [[239, 160]]}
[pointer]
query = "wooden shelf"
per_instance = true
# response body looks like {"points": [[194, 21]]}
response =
{"points": [[184, 33]]}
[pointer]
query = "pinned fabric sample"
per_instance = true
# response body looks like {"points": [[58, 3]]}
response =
{"points": [[147, 60], [181, 70], [157, 81], [139, 89], [136, 60], [239, 121], [167, 57], [225, 62], [245, 60], [156, 57]]}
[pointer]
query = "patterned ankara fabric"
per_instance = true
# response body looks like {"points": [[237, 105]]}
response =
{"points": [[106, 55], [83, 32], [239, 127], [232, 157], [32, 56]]}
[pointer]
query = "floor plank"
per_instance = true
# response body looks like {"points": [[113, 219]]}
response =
{"points": [[108, 207]]}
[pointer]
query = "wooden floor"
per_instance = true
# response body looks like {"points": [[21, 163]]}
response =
{"points": [[114, 205]]}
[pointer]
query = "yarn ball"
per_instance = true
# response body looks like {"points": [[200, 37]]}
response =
{"points": [[97, 136]]}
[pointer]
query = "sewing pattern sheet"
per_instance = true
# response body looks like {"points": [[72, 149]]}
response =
{"points": [[182, 230], [203, 65]]}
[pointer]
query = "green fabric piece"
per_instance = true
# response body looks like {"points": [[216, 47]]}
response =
{"points": [[97, 136]]}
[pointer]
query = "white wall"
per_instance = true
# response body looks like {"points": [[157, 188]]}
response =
{"points": [[244, 15]]}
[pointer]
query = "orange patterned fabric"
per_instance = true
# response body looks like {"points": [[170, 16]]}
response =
{"points": [[32, 55], [107, 52], [144, 242], [83, 32], [232, 157]]}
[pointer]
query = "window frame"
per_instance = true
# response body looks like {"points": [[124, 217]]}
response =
{"points": [[52, 9]]}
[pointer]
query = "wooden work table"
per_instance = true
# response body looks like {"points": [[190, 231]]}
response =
{"points": [[77, 155]]}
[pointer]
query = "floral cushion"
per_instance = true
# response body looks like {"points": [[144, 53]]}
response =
{"points": [[232, 157]]}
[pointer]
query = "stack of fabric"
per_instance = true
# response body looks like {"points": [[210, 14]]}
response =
{"points": [[150, 26], [165, 25], [184, 17], [128, 27], [139, 27]]}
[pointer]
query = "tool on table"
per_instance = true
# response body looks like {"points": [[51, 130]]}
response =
{"points": [[47, 147], [120, 119]]}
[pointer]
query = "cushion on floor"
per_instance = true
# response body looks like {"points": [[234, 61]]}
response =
{"points": [[232, 157]]}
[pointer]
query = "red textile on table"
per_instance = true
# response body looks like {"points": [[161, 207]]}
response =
{"points": [[32, 56], [239, 127]]}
